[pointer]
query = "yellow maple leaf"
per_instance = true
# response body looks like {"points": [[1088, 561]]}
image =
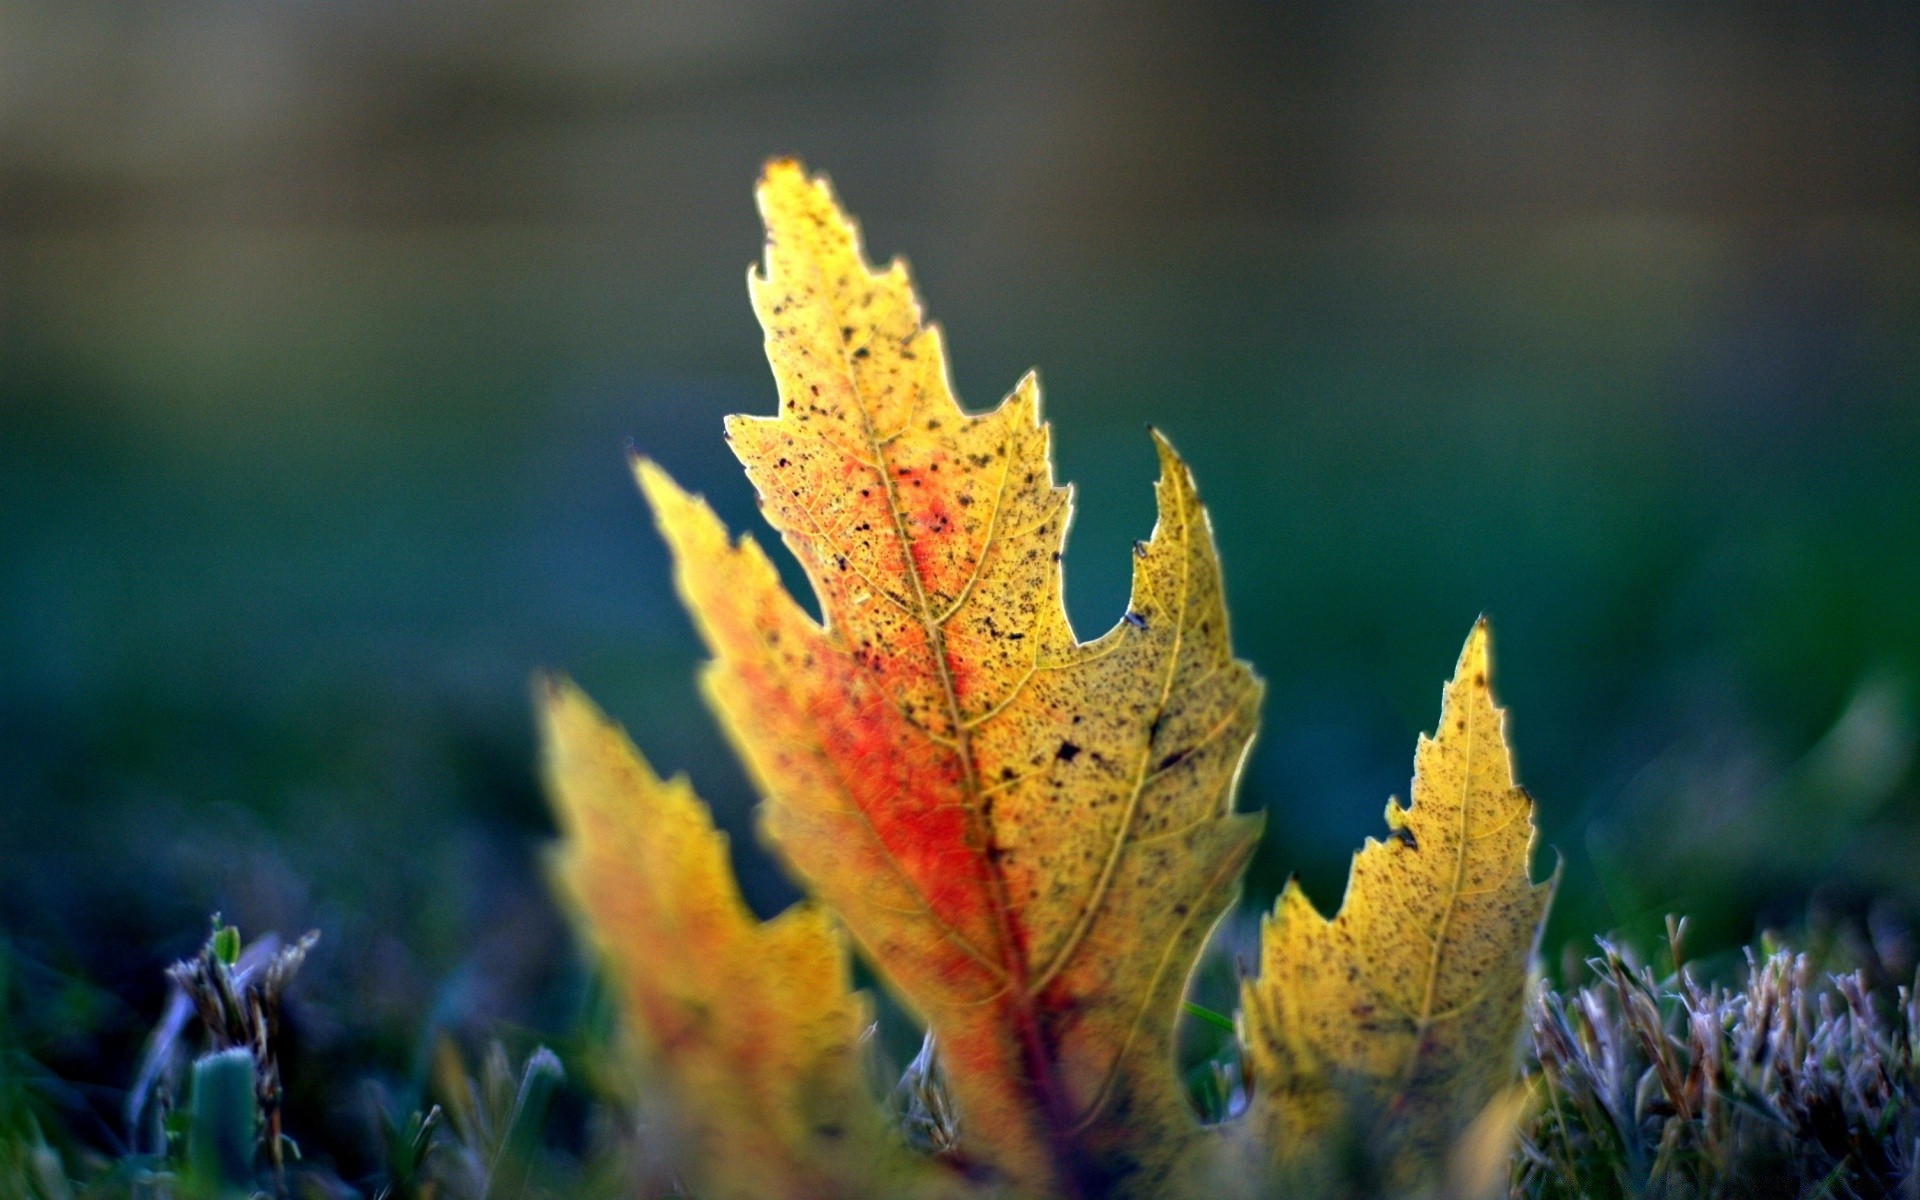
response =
{"points": [[751, 1025], [1029, 836], [1405, 1008]]}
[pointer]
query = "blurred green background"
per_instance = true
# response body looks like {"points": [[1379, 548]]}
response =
{"points": [[325, 324]]}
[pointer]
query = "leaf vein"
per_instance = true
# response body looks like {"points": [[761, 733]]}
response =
{"points": [[1107, 871]]}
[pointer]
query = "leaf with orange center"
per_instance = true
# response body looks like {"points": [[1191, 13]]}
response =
{"points": [[1029, 836], [750, 1026]]}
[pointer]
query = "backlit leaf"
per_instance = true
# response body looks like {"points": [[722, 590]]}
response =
{"points": [[1028, 836], [1031, 837], [750, 1025], [1404, 1010]]}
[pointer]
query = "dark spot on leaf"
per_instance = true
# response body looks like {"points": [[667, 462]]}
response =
{"points": [[1067, 751]]}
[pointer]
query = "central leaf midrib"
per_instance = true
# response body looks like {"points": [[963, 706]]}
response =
{"points": [[1039, 1061], [1424, 1021]]}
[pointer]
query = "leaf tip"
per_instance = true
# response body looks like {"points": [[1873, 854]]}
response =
{"points": [[647, 473], [554, 695], [782, 171], [1476, 657], [546, 685], [1293, 901], [672, 504], [1173, 468], [1397, 818], [1026, 392], [557, 701], [790, 200]]}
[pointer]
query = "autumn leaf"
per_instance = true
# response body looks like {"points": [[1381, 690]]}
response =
{"points": [[751, 1026], [1406, 1006], [1030, 837]]}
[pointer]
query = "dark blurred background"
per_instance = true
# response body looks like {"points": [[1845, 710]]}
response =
{"points": [[324, 325]]}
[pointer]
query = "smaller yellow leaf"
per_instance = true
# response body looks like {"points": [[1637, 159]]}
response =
{"points": [[750, 1027], [1404, 1010]]}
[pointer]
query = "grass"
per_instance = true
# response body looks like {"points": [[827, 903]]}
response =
{"points": [[1789, 1082], [1786, 1075]]}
